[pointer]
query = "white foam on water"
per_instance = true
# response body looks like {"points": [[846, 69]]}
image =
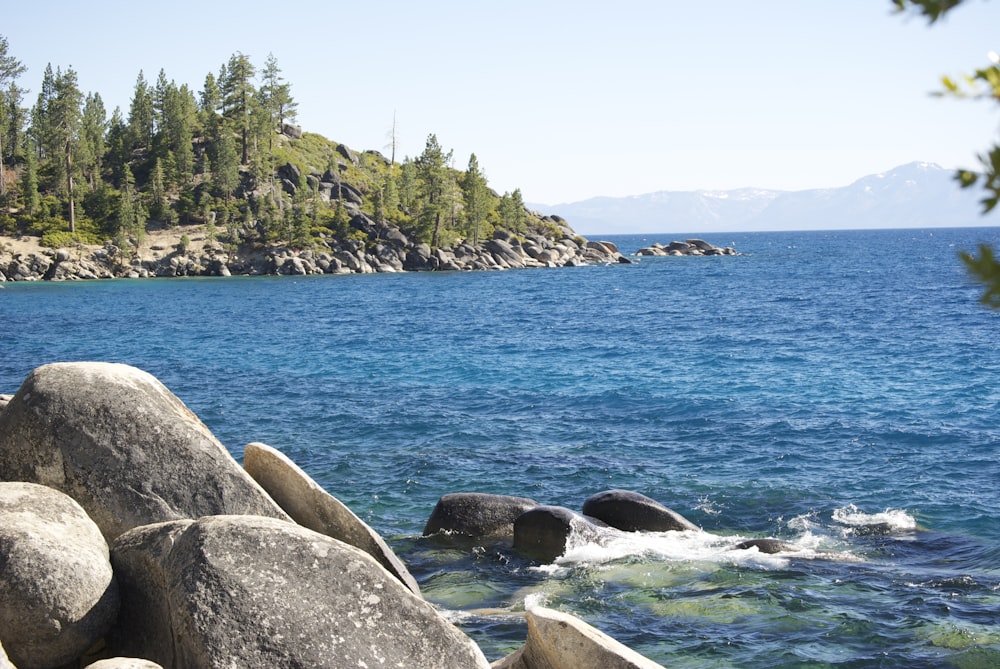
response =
{"points": [[894, 519], [690, 546]]}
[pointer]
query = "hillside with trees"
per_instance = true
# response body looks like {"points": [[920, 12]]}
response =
{"points": [[228, 161]]}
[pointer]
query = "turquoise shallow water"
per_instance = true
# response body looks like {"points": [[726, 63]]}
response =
{"points": [[838, 390]]}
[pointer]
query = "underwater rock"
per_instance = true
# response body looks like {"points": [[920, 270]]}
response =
{"points": [[768, 546]]}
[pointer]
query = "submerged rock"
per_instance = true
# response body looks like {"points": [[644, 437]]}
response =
{"points": [[632, 511], [58, 595], [113, 438], [561, 641], [310, 506], [247, 591], [768, 546], [477, 514]]}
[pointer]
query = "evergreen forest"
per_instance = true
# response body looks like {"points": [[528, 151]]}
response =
{"points": [[227, 157]]}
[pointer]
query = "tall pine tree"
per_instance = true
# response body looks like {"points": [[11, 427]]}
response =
{"points": [[476, 197], [433, 174], [10, 104], [237, 94]]}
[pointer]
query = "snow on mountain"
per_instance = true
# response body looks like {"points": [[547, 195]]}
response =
{"points": [[914, 195]]}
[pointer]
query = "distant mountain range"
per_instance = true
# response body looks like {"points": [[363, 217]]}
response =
{"points": [[915, 195]]}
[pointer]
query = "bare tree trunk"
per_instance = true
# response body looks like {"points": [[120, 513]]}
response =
{"points": [[3, 184]]}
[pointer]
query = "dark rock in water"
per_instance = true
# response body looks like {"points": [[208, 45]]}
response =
{"points": [[873, 530], [544, 532], [247, 591], [769, 546], [632, 512], [123, 446], [310, 506], [477, 514]]}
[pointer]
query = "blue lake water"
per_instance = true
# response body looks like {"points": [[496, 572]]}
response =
{"points": [[838, 390]]}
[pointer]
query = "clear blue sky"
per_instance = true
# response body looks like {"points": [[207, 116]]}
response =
{"points": [[569, 99]]}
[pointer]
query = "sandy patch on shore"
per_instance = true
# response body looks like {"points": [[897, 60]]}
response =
{"points": [[157, 243]]}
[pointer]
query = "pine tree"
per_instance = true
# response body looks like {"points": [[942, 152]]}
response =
{"points": [[432, 170], [276, 95], [512, 211], [208, 104], [64, 116], [130, 229], [10, 104], [29, 183], [237, 93], [158, 101], [94, 126], [179, 115], [117, 147], [140, 116], [40, 128], [157, 191], [225, 165], [476, 196]]}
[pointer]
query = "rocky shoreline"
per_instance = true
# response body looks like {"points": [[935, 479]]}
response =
{"points": [[387, 249], [130, 538]]}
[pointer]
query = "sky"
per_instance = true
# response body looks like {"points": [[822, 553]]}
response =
{"points": [[568, 100]]}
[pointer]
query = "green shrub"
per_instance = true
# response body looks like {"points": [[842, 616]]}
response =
{"points": [[61, 238]]}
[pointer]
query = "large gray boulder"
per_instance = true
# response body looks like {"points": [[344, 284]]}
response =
{"points": [[58, 595], [632, 512], [477, 514], [117, 441], [247, 591], [561, 641], [544, 533], [310, 506]]}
